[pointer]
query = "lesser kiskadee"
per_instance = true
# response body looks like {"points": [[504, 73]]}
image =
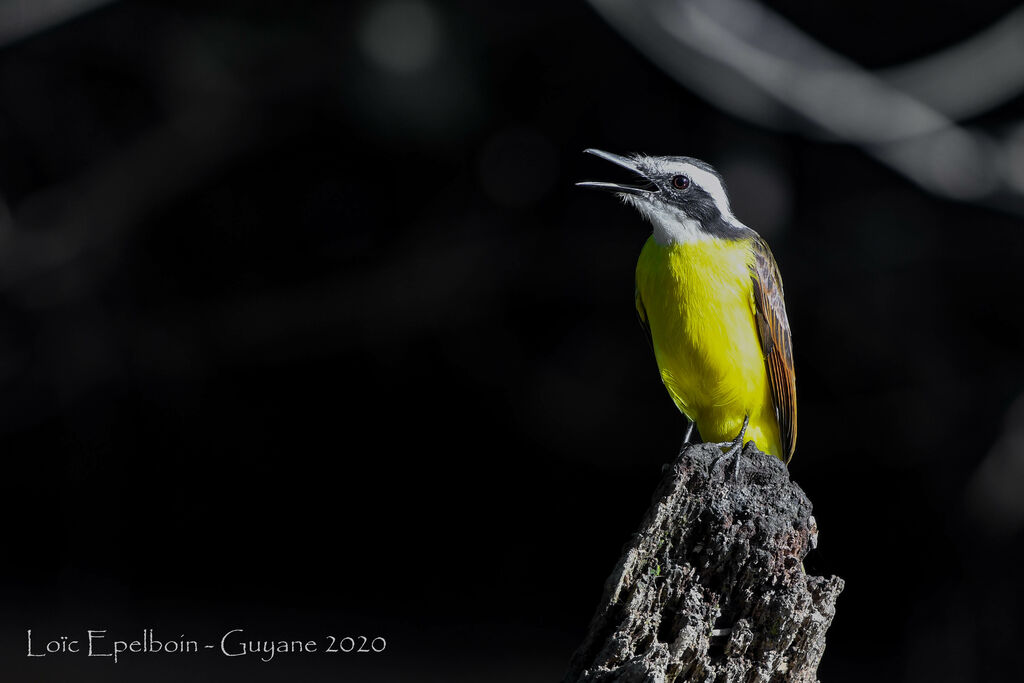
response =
{"points": [[709, 295]]}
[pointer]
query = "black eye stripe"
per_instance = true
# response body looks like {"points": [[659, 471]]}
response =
{"points": [[680, 182]]}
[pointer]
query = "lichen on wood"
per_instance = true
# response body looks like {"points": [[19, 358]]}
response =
{"points": [[712, 587]]}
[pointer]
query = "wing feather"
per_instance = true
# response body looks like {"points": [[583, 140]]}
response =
{"points": [[776, 343]]}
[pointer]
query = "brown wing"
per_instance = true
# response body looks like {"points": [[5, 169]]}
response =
{"points": [[772, 323]]}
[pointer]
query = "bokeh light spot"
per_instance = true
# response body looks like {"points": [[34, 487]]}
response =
{"points": [[401, 36]]}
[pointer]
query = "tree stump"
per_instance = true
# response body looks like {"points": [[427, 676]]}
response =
{"points": [[712, 587]]}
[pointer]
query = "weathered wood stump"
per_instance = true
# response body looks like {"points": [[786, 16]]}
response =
{"points": [[712, 587]]}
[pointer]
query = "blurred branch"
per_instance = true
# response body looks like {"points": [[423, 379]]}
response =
{"points": [[970, 77], [712, 587], [22, 18], [749, 61], [994, 493]]}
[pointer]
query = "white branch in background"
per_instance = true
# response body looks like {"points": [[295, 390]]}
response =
{"points": [[22, 18], [971, 77], [749, 61]]}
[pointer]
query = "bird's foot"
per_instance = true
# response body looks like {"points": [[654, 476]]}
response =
{"points": [[735, 448]]}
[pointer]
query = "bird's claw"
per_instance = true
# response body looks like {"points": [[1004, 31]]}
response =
{"points": [[735, 448]]}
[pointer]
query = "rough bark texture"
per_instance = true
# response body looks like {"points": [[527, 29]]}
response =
{"points": [[712, 587]]}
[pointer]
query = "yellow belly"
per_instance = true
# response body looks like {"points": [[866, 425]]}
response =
{"points": [[698, 300]]}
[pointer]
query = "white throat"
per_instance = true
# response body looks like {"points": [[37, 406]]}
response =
{"points": [[671, 226], [681, 231]]}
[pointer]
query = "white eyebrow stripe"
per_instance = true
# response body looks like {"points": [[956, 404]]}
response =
{"points": [[708, 182]]}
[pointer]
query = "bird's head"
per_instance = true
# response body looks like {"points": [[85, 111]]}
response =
{"points": [[684, 198]]}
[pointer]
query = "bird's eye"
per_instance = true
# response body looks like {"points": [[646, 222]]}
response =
{"points": [[680, 182]]}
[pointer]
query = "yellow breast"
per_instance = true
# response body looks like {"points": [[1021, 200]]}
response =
{"points": [[699, 305]]}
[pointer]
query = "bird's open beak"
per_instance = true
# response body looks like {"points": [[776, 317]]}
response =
{"points": [[646, 187]]}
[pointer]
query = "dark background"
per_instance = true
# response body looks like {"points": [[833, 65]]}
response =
{"points": [[308, 336]]}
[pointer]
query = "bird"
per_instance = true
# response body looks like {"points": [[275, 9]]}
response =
{"points": [[708, 293]]}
